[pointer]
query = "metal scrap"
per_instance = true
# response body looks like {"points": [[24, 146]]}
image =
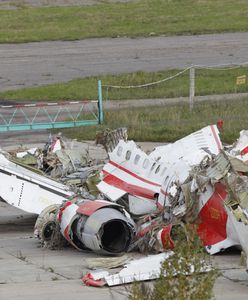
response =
{"points": [[110, 138], [107, 262], [133, 201], [145, 268], [75, 164]]}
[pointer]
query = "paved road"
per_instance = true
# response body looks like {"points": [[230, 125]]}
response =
{"points": [[33, 64]]}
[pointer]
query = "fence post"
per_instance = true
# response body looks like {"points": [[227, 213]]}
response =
{"points": [[191, 87], [100, 102]]}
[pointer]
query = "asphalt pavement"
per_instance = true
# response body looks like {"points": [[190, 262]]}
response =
{"points": [[35, 64]]}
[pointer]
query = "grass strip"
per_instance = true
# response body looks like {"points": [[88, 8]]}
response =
{"points": [[171, 122], [133, 19], [208, 82]]}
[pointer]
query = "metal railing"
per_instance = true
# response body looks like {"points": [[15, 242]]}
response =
{"points": [[36, 116]]}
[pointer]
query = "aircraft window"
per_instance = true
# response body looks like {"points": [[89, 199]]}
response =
{"points": [[146, 163], [157, 170], [128, 154], [153, 166], [166, 179], [163, 172], [137, 158], [119, 151]]}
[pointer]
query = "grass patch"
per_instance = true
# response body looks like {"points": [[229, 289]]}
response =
{"points": [[171, 122], [134, 18], [207, 82]]}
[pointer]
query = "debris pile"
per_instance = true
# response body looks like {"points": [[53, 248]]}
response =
{"points": [[74, 164], [133, 200], [110, 138], [145, 268]]}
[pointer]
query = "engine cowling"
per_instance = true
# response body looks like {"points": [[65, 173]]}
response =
{"points": [[100, 226]]}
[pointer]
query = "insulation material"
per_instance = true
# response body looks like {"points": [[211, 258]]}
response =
{"points": [[107, 262]]}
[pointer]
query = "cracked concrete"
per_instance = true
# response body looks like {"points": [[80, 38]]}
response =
{"points": [[28, 271]]}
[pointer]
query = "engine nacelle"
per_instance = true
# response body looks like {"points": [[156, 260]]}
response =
{"points": [[100, 226]]}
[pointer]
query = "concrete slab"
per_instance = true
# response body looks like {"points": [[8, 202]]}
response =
{"points": [[28, 271], [225, 289]]}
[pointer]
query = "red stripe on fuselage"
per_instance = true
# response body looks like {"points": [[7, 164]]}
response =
{"points": [[66, 233], [127, 187], [213, 217], [133, 174], [245, 150]]}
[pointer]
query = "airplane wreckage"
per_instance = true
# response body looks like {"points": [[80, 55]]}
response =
{"points": [[133, 200]]}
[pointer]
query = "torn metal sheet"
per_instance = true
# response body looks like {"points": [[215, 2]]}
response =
{"points": [[214, 228], [27, 190], [110, 138], [107, 262], [219, 185], [238, 165], [240, 148], [133, 172], [72, 163], [31, 151], [193, 180], [191, 148], [146, 268]]}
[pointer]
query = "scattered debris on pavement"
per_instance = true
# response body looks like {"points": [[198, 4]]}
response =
{"points": [[122, 199]]}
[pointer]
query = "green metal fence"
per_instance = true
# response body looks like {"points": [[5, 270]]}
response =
{"points": [[34, 116]]}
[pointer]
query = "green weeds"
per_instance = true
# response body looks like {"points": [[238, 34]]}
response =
{"points": [[208, 82], [171, 122]]}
